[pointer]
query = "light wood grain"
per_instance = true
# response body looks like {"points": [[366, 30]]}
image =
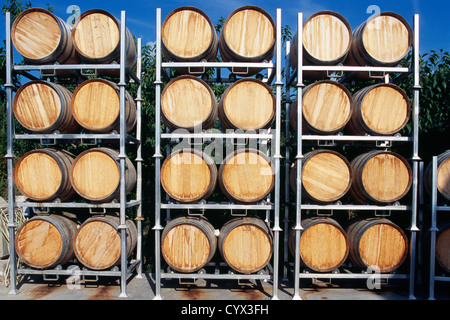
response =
{"points": [[44, 107], [381, 177], [382, 40], [43, 175], [382, 109], [377, 242], [45, 241], [188, 243], [246, 176], [323, 244], [188, 101], [97, 243], [187, 33], [96, 106], [188, 176], [248, 104], [95, 174], [326, 176], [327, 108], [246, 245], [443, 178]]}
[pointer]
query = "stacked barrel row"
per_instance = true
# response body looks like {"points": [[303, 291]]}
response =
{"points": [[55, 174], [383, 40], [190, 175]]}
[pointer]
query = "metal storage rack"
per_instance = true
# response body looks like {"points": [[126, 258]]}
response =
{"points": [[125, 268], [271, 271], [435, 208], [379, 141]]}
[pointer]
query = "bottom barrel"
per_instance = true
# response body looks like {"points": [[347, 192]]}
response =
{"points": [[245, 244], [188, 243], [443, 246], [46, 241], [377, 242], [323, 244], [97, 242]]}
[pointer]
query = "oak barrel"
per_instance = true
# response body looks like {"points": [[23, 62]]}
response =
{"points": [[188, 35], [380, 177], [46, 241], [188, 102], [96, 106], [246, 176], [248, 104], [323, 244], [326, 176], [43, 38], [382, 40], [248, 35], [245, 243], [188, 175], [327, 108], [381, 109], [376, 242], [96, 36], [443, 175], [443, 246], [97, 243], [95, 174], [327, 37], [44, 175], [44, 107], [188, 243]]}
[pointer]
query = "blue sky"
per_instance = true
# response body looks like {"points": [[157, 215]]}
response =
{"points": [[434, 14]]}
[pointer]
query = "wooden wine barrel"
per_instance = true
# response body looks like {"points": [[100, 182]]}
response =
{"points": [[188, 243], [46, 241], [443, 176], [246, 176], [248, 104], [188, 175], [381, 109], [96, 106], [323, 244], [443, 245], [44, 175], [377, 242], [380, 177], [97, 243], [96, 36], [44, 107], [326, 176], [327, 37], [382, 40], [248, 35], [43, 38], [188, 35], [188, 102], [245, 244], [95, 174], [327, 108]]}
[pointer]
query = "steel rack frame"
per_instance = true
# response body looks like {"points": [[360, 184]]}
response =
{"points": [[380, 141], [271, 271], [125, 268], [435, 208]]}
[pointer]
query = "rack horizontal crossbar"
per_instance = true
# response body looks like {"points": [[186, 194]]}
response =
{"points": [[218, 206], [355, 207], [206, 135], [80, 272], [215, 276], [355, 138], [201, 64], [80, 137], [305, 275], [76, 205]]}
